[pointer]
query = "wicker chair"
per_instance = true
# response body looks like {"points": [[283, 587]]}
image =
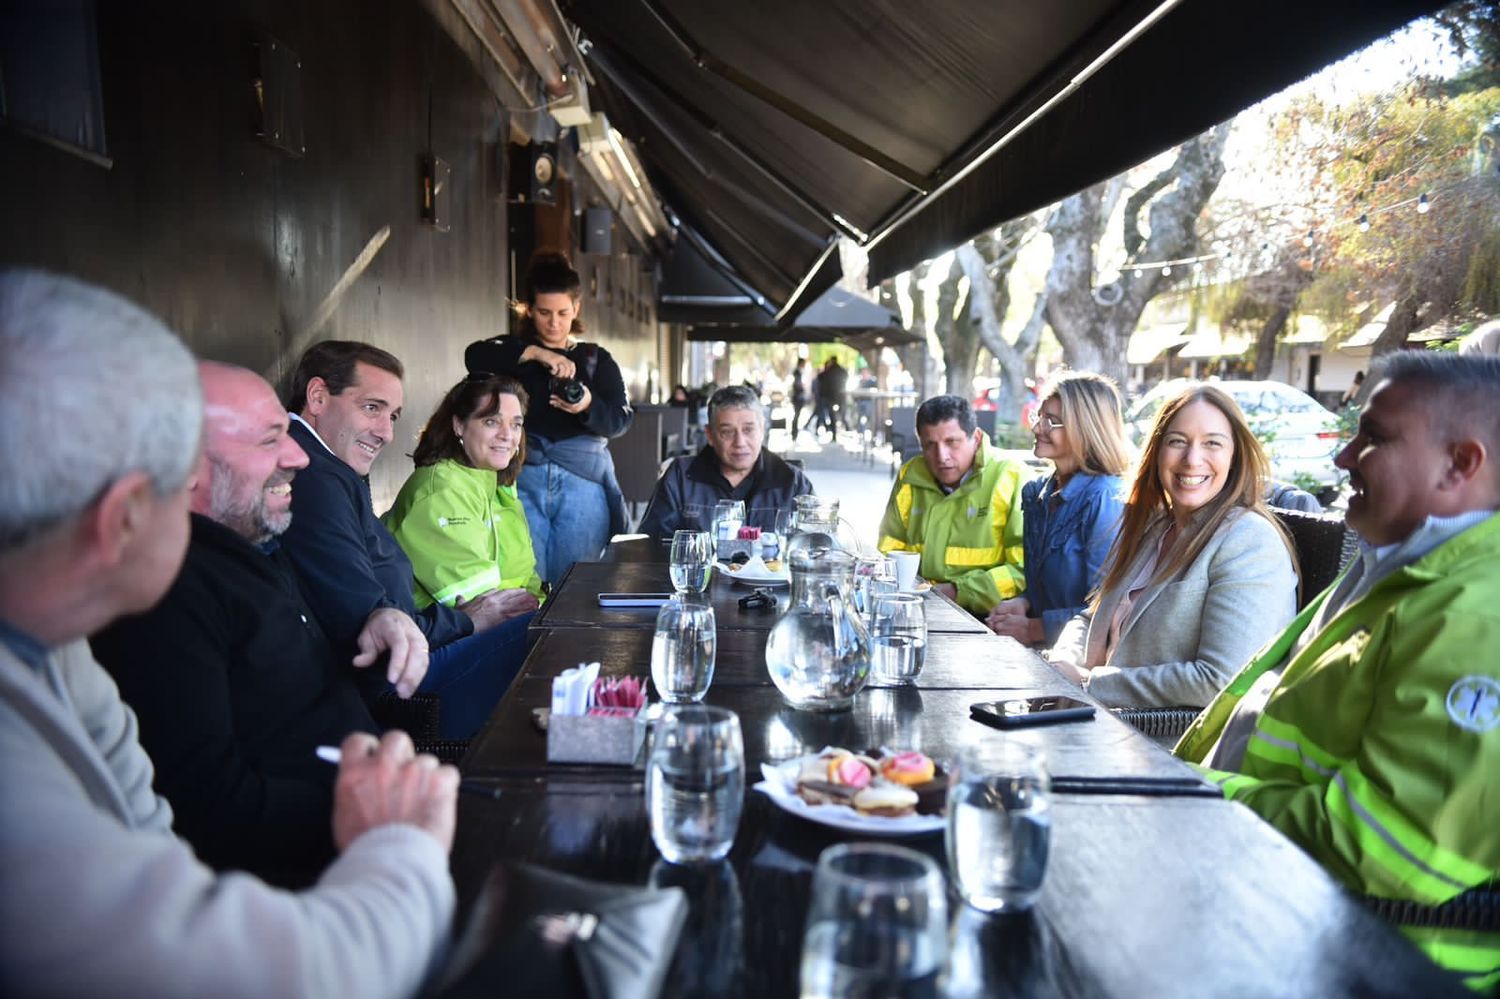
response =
{"points": [[1324, 546]]}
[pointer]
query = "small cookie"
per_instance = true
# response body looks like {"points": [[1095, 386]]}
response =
{"points": [[886, 800], [850, 771]]}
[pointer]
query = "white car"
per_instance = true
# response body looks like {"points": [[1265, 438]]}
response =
{"points": [[1300, 436]]}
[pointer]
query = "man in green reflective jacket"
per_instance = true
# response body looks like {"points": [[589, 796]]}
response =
{"points": [[959, 504], [1369, 731]]}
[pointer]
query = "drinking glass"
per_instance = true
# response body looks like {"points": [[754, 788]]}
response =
{"points": [[898, 637], [683, 648], [877, 924], [729, 517], [999, 823], [786, 524], [868, 570], [695, 782], [692, 560]]}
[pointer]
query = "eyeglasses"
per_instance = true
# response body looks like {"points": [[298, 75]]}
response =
{"points": [[1043, 420]]}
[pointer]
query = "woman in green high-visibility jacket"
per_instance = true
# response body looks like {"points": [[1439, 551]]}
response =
{"points": [[458, 517]]}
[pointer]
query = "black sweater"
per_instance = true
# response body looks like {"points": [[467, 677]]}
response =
{"points": [[608, 415], [235, 687]]}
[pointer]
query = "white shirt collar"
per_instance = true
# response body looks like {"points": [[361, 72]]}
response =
{"points": [[313, 432]]}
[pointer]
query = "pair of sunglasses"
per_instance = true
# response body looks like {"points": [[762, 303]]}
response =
{"points": [[759, 598]]}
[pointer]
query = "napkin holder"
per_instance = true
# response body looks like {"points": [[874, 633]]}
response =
{"points": [[610, 740]]}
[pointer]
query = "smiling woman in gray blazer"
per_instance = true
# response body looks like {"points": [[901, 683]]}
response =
{"points": [[1200, 577]]}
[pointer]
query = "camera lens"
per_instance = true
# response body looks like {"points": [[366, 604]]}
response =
{"points": [[570, 390]]}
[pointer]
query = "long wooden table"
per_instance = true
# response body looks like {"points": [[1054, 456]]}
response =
{"points": [[1159, 896], [575, 601]]}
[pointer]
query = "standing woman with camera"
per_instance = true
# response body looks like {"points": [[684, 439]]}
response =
{"points": [[577, 402]]}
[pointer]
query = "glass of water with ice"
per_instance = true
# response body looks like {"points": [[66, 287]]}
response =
{"points": [[877, 924], [999, 823], [692, 560], [695, 783], [898, 639], [684, 648]]}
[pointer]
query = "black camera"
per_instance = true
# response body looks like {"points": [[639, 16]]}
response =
{"points": [[570, 390]]}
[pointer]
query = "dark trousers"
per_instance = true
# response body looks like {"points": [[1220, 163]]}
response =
{"points": [[473, 673]]}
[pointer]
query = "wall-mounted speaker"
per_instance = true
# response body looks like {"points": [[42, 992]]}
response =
{"points": [[534, 175], [598, 227]]}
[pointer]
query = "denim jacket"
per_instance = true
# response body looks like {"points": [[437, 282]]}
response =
{"points": [[1066, 546]]}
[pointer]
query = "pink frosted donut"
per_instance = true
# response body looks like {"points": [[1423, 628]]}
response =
{"points": [[850, 772], [908, 768]]}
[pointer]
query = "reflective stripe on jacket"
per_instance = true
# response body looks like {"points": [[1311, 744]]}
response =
{"points": [[970, 537], [1378, 750], [464, 533]]}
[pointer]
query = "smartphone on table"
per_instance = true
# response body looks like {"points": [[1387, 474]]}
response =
{"points": [[1023, 712]]}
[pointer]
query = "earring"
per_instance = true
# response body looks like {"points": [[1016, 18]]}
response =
{"points": [[460, 438]]}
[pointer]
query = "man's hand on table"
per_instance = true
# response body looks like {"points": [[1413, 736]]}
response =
{"points": [[495, 607], [390, 630], [385, 782], [1009, 618], [946, 589]]}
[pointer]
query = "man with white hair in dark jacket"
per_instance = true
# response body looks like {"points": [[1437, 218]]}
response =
{"points": [[734, 465]]}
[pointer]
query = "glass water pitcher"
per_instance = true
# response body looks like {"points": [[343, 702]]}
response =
{"points": [[818, 653]]}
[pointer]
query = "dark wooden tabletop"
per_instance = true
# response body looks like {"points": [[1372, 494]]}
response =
{"points": [[575, 601], [1143, 897], [935, 721], [959, 661]]}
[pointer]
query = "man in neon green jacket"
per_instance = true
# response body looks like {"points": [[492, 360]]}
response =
{"points": [[1369, 731], [959, 504]]}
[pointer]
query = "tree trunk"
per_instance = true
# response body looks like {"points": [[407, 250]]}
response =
{"points": [[1265, 341], [1397, 328], [987, 308], [1095, 336], [956, 334]]}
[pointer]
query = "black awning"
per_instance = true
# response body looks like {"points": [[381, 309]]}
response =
{"points": [[838, 316], [772, 128]]}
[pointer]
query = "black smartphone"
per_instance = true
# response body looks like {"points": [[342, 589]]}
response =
{"points": [[1024, 711], [633, 599]]}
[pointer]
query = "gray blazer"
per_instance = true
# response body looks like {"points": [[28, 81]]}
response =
{"points": [[1186, 637]]}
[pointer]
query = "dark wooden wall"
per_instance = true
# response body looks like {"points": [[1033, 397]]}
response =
{"points": [[235, 243]]}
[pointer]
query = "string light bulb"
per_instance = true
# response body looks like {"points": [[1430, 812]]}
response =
{"points": [[1307, 240], [1364, 223], [1166, 272], [1423, 205]]}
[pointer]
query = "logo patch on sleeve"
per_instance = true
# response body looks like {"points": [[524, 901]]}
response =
{"points": [[1474, 703]]}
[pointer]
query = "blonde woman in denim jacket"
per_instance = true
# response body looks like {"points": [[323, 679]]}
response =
{"points": [[1072, 516]]}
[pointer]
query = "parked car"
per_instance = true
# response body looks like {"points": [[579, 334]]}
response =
{"points": [[1300, 436]]}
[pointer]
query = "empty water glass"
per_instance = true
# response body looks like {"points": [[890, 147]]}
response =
{"points": [[898, 639], [999, 823], [869, 572], [877, 924], [692, 560], [684, 648], [695, 782], [729, 517]]}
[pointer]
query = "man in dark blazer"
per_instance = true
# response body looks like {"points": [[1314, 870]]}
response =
{"points": [[344, 401]]}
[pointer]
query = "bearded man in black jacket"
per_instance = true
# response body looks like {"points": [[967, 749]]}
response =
{"points": [[234, 683], [734, 465]]}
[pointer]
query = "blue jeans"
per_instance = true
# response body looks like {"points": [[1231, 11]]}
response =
{"points": [[568, 516], [473, 673]]}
